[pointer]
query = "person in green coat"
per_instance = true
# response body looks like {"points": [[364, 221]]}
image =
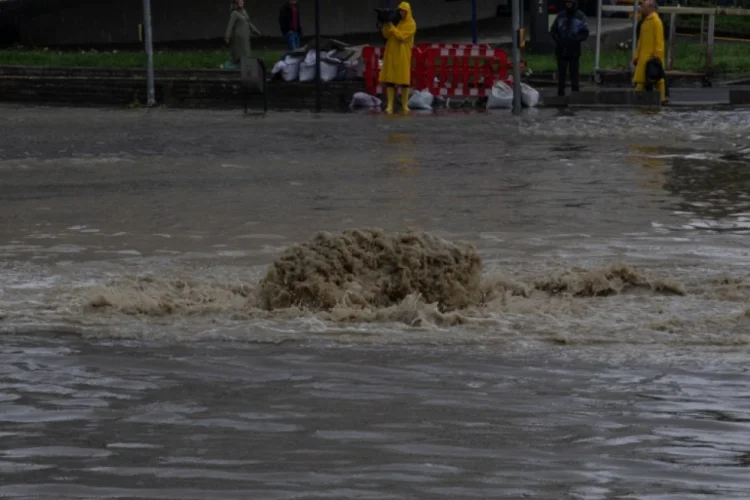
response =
{"points": [[238, 34]]}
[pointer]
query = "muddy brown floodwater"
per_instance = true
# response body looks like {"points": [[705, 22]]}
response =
{"points": [[201, 305]]}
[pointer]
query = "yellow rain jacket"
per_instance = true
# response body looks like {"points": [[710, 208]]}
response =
{"points": [[397, 58], [650, 44]]}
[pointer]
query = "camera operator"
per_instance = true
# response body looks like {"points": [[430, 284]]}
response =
{"points": [[396, 71]]}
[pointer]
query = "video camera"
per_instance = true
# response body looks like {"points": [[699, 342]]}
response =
{"points": [[388, 16]]}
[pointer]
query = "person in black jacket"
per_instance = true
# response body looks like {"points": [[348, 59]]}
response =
{"points": [[568, 31], [291, 24]]}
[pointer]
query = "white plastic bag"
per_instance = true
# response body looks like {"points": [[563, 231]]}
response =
{"points": [[306, 72], [501, 96], [278, 67], [328, 71], [310, 57], [329, 68], [353, 70], [529, 96], [421, 99], [290, 71], [288, 67], [363, 100], [307, 67]]}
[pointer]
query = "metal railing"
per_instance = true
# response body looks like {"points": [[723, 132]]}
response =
{"points": [[710, 12]]}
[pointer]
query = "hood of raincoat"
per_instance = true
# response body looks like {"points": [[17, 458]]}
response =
{"points": [[573, 7], [405, 6]]}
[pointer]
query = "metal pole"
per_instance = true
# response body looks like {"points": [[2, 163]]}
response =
{"points": [[516, 57], [149, 52], [635, 30], [318, 89], [710, 48], [598, 37], [474, 22], [672, 36], [265, 89]]}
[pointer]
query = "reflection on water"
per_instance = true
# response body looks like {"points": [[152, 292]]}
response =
{"points": [[712, 188], [400, 155], [402, 164], [649, 158]]}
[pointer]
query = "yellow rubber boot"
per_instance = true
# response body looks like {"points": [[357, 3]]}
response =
{"points": [[662, 86], [405, 99], [391, 93]]}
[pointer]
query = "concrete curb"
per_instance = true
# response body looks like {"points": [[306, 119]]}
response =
{"points": [[222, 89], [604, 99], [739, 97], [177, 89]]}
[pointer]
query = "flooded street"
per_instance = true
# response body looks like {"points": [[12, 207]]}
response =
{"points": [[600, 354]]}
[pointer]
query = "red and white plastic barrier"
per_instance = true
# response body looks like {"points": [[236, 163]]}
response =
{"points": [[449, 70]]}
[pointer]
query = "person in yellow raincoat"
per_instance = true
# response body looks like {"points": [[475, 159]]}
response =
{"points": [[650, 45], [396, 71]]}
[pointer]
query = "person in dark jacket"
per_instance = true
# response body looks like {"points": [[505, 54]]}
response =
{"points": [[568, 31], [291, 24]]}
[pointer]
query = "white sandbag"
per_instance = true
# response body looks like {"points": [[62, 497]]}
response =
{"points": [[288, 67], [421, 99], [529, 96], [307, 67], [501, 96], [310, 57], [306, 72], [290, 72], [329, 67], [328, 71], [278, 67], [363, 100], [353, 69]]}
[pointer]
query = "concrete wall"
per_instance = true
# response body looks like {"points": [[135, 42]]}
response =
{"points": [[117, 22]]}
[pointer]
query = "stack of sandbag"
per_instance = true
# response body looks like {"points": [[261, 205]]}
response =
{"points": [[529, 95], [329, 66], [288, 67], [355, 64], [351, 66], [339, 61]]}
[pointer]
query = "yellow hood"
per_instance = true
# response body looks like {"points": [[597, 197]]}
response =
{"points": [[406, 7]]}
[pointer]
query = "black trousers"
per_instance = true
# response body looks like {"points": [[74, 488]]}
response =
{"points": [[563, 65]]}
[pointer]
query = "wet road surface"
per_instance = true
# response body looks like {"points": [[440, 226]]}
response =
{"points": [[570, 382]]}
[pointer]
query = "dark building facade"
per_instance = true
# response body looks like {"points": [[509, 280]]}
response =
{"points": [[81, 22], [9, 23]]}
